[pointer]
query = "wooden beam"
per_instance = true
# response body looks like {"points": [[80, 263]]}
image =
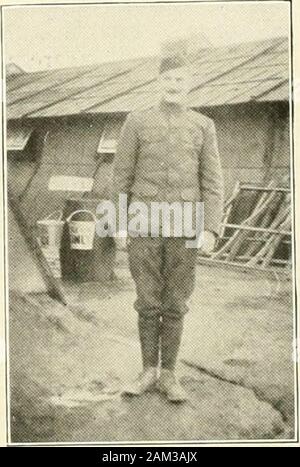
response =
{"points": [[241, 266], [238, 237], [259, 229], [247, 258], [274, 244], [258, 240], [265, 222], [235, 192], [265, 189], [54, 285], [228, 208]]}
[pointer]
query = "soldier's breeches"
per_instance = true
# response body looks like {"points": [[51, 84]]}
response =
{"points": [[164, 273], [163, 270]]}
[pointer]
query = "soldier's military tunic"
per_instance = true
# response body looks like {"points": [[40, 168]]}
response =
{"points": [[168, 153]]}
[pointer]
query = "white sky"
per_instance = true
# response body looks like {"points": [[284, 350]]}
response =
{"points": [[54, 36]]}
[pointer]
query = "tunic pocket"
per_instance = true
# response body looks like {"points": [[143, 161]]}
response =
{"points": [[190, 194], [152, 134], [145, 190], [192, 138]]}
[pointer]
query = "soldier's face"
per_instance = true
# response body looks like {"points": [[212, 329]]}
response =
{"points": [[174, 85]]}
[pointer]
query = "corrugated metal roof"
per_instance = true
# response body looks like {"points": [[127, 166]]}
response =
{"points": [[88, 100], [12, 69], [14, 82], [50, 81], [223, 75], [277, 94], [74, 87]]}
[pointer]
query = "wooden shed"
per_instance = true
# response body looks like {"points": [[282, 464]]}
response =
{"points": [[63, 125]]}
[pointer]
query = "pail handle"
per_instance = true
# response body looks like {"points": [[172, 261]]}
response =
{"points": [[53, 213], [81, 210]]}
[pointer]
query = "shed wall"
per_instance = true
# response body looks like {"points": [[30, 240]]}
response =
{"points": [[253, 141], [69, 148]]}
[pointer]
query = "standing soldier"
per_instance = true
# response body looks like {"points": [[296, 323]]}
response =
{"points": [[167, 153]]}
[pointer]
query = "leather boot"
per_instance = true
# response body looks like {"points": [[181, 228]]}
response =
{"points": [[149, 333], [170, 386], [145, 382], [171, 334]]}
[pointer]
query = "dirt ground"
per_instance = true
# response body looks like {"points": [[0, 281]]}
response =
{"points": [[68, 364]]}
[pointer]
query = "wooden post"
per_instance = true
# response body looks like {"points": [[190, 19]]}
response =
{"points": [[53, 284], [228, 207], [235, 242]]}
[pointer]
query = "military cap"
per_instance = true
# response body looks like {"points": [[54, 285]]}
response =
{"points": [[174, 54]]}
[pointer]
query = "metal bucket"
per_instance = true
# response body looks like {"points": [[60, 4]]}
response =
{"points": [[82, 233], [49, 231]]}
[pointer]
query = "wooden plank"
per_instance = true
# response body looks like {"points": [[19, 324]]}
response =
{"points": [[228, 207], [53, 284], [241, 266], [267, 252], [259, 239], [246, 258], [264, 229], [258, 229], [274, 244], [265, 222], [236, 240], [264, 189], [282, 214], [235, 193]]}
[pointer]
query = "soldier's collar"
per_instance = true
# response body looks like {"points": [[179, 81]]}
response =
{"points": [[172, 108]]}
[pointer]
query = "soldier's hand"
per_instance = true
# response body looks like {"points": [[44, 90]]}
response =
{"points": [[208, 243]]}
